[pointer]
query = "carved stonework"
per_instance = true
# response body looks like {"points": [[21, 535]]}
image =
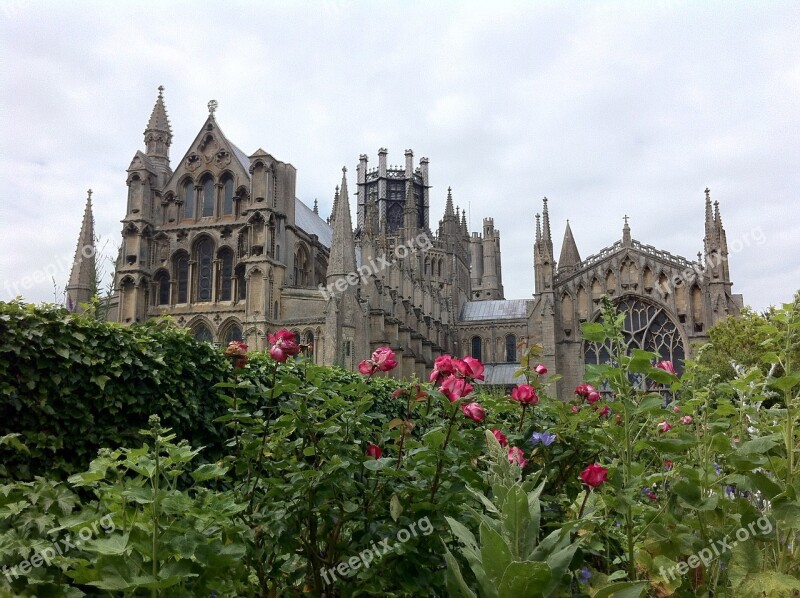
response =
{"points": [[192, 162], [223, 158]]}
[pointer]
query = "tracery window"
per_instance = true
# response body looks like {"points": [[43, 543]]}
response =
{"points": [[208, 197], [205, 253], [162, 288], [227, 197], [394, 217], [202, 333], [648, 327], [511, 348], [476, 348], [182, 274], [225, 274], [188, 199], [234, 333]]}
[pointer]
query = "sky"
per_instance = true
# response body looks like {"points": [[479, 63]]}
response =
{"points": [[608, 109]]}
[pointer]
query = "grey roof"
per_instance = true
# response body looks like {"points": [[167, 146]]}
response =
{"points": [[241, 156], [311, 223], [502, 374], [500, 309]]}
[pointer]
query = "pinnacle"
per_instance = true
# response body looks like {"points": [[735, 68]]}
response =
{"points": [[159, 121]]}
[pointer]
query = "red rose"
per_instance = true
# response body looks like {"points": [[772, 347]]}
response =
{"points": [[501, 438], [604, 411], [593, 397], [474, 411], [374, 451], [594, 475], [524, 393]]}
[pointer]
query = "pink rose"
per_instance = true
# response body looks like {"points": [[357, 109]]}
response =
{"points": [[667, 367], [383, 358], [686, 420], [501, 438], [366, 367], [524, 393], [594, 475], [664, 426], [472, 368], [443, 366], [541, 369], [604, 411], [516, 455], [593, 397], [584, 390], [284, 345], [474, 411], [455, 388]]}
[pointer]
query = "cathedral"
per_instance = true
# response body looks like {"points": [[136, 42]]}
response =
{"points": [[220, 242]]}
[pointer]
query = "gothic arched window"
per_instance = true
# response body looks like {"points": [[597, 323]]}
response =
{"points": [[182, 275], [162, 288], [205, 255], [476, 348], [394, 217], [227, 196], [302, 268], [511, 348], [202, 333], [188, 199], [225, 282], [208, 196], [241, 283], [648, 327], [234, 333]]}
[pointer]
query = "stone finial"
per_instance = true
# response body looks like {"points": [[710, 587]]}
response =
{"points": [[212, 107]]}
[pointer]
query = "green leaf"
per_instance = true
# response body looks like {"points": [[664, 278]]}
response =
{"points": [[524, 580], [100, 380], [495, 554], [516, 518], [786, 382], [209, 471], [593, 331], [759, 446], [395, 508], [456, 586]]}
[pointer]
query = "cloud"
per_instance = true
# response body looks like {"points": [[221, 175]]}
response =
{"points": [[607, 109]]}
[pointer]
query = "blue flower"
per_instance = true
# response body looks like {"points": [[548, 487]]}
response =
{"points": [[717, 469], [584, 575], [543, 438]]}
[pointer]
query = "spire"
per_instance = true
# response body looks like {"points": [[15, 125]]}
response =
{"points": [[82, 284], [538, 228], [158, 134], [448, 206], [464, 228], [709, 214], [569, 252], [335, 206], [316, 206], [342, 259], [626, 233], [546, 221]]}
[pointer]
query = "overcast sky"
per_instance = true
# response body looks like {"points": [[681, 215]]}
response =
{"points": [[606, 109]]}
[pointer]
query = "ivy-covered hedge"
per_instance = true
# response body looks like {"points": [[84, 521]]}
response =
{"points": [[71, 385]]}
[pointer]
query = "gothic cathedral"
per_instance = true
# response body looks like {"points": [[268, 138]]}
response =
{"points": [[223, 245]]}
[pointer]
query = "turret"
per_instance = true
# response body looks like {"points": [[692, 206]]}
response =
{"points": [[158, 138]]}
